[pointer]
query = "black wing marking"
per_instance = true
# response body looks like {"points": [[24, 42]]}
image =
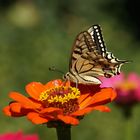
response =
{"points": [[96, 34]]}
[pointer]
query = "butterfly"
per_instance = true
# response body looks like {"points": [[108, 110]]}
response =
{"points": [[90, 58]]}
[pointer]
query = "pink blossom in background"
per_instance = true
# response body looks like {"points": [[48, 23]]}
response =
{"points": [[127, 87], [18, 136]]}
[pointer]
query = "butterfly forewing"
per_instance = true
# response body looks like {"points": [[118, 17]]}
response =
{"points": [[90, 59]]}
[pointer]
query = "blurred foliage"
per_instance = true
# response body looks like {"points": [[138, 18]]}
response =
{"points": [[38, 34]]}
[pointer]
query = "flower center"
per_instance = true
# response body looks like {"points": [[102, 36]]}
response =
{"points": [[127, 85], [62, 97]]}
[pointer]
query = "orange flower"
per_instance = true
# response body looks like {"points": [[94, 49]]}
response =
{"points": [[57, 101]]}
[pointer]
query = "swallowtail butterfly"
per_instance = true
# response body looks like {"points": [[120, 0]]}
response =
{"points": [[90, 58]]}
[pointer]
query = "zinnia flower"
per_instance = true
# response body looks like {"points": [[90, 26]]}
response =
{"points": [[127, 88], [18, 136], [58, 101]]}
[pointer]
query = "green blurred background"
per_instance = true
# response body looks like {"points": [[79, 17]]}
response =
{"points": [[37, 34]]}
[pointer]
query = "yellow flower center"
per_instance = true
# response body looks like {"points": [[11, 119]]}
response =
{"points": [[61, 97], [127, 85]]}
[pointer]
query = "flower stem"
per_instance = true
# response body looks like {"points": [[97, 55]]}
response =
{"points": [[129, 129], [127, 110], [63, 132]]}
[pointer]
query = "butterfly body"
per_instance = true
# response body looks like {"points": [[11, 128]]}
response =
{"points": [[90, 59]]}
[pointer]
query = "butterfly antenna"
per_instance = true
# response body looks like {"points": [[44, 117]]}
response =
{"points": [[57, 70]]}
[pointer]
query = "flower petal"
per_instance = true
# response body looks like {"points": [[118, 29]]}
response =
{"points": [[133, 77], [68, 119], [82, 112], [89, 109], [10, 112], [86, 102], [113, 81], [102, 108], [51, 110], [83, 97], [36, 119], [104, 96], [87, 90], [113, 94], [15, 107], [6, 111], [53, 83], [26, 102], [34, 89]]}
